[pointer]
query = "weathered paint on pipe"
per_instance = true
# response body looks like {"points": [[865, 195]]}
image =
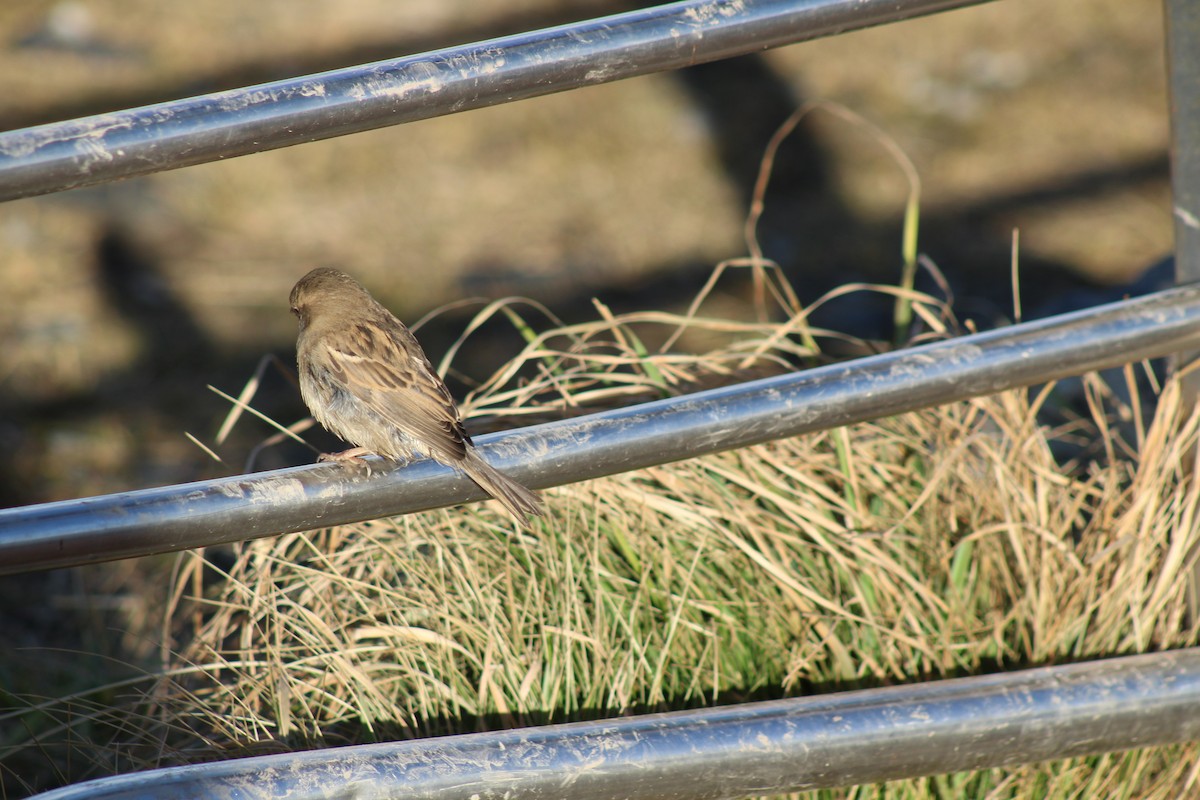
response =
{"points": [[106, 147], [759, 748], [249, 506]]}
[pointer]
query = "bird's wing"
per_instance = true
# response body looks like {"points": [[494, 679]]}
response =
{"points": [[388, 372]]}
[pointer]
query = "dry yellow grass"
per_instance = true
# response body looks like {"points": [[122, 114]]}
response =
{"points": [[939, 543]]}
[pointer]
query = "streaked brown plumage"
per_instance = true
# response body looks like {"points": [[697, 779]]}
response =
{"points": [[365, 378]]}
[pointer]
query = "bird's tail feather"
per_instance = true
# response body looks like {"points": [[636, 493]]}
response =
{"points": [[521, 502]]}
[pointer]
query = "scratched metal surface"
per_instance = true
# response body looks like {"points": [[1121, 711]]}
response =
{"points": [[751, 749], [182, 133], [251, 506]]}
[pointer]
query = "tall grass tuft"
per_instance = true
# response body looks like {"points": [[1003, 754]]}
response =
{"points": [[940, 543]]}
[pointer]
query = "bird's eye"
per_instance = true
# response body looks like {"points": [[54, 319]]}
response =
{"points": [[296, 310]]}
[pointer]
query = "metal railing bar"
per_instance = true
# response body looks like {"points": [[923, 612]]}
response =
{"points": [[772, 747], [225, 510], [105, 147]]}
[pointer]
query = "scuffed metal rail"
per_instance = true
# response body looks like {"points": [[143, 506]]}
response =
{"points": [[105, 147], [753, 749], [220, 511]]}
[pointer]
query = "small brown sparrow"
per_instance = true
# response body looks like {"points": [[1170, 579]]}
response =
{"points": [[365, 378]]}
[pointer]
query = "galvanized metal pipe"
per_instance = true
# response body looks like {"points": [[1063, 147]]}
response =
{"points": [[106, 147], [1182, 18], [760, 748], [220, 511]]}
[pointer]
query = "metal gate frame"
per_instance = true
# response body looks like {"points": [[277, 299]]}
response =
{"points": [[788, 745]]}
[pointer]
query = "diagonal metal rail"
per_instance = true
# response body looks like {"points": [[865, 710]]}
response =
{"points": [[739, 751], [249, 506], [105, 147]]}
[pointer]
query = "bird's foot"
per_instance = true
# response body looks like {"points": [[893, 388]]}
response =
{"points": [[352, 458], [353, 454]]}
